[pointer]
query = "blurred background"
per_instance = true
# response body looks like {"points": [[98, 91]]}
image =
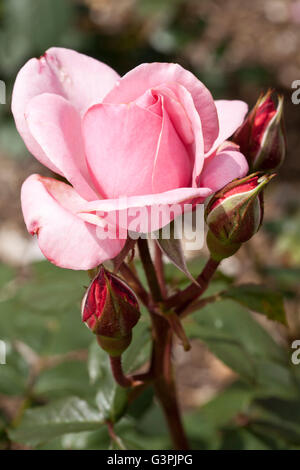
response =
{"points": [[238, 51]]}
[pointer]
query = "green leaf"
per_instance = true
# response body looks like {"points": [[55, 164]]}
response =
{"points": [[233, 335], [141, 404], [131, 436], [68, 378], [150, 431], [205, 426], [278, 418], [172, 248], [44, 311], [245, 439], [86, 440], [258, 298], [63, 416], [267, 423], [221, 410]]}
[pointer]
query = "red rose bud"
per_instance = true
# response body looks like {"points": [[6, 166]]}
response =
{"points": [[110, 309], [234, 214], [262, 137]]}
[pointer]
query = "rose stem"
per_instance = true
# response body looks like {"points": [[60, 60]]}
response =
{"points": [[117, 370], [113, 436], [181, 299], [159, 267], [149, 270], [161, 365], [164, 383]]}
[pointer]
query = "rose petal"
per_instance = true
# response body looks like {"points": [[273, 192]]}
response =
{"points": [[136, 82], [174, 196], [121, 142], [56, 126], [49, 209], [226, 165], [180, 107], [231, 115], [79, 78], [172, 166], [152, 211]]}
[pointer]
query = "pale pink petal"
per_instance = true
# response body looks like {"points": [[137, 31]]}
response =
{"points": [[120, 143], [226, 165], [49, 209], [172, 166], [78, 78], [175, 196], [150, 100], [152, 211], [231, 115], [56, 126], [84, 80], [136, 82], [179, 105], [179, 115]]}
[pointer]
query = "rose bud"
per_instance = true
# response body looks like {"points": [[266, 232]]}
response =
{"points": [[235, 214], [110, 309], [262, 137]]}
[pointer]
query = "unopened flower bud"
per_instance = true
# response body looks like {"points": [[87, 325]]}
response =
{"points": [[262, 137], [218, 250], [234, 214], [110, 309]]}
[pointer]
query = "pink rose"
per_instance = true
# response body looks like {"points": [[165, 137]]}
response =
{"points": [[155, 136]]}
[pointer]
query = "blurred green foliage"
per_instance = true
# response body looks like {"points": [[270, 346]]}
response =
{"points": [[67, 391]]}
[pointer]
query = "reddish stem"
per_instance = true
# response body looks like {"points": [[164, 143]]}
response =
{"points": [[159, 267], [149, 270], [120, 378], [180, 300], [113, 436], [161, 366], [164, 384]]}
